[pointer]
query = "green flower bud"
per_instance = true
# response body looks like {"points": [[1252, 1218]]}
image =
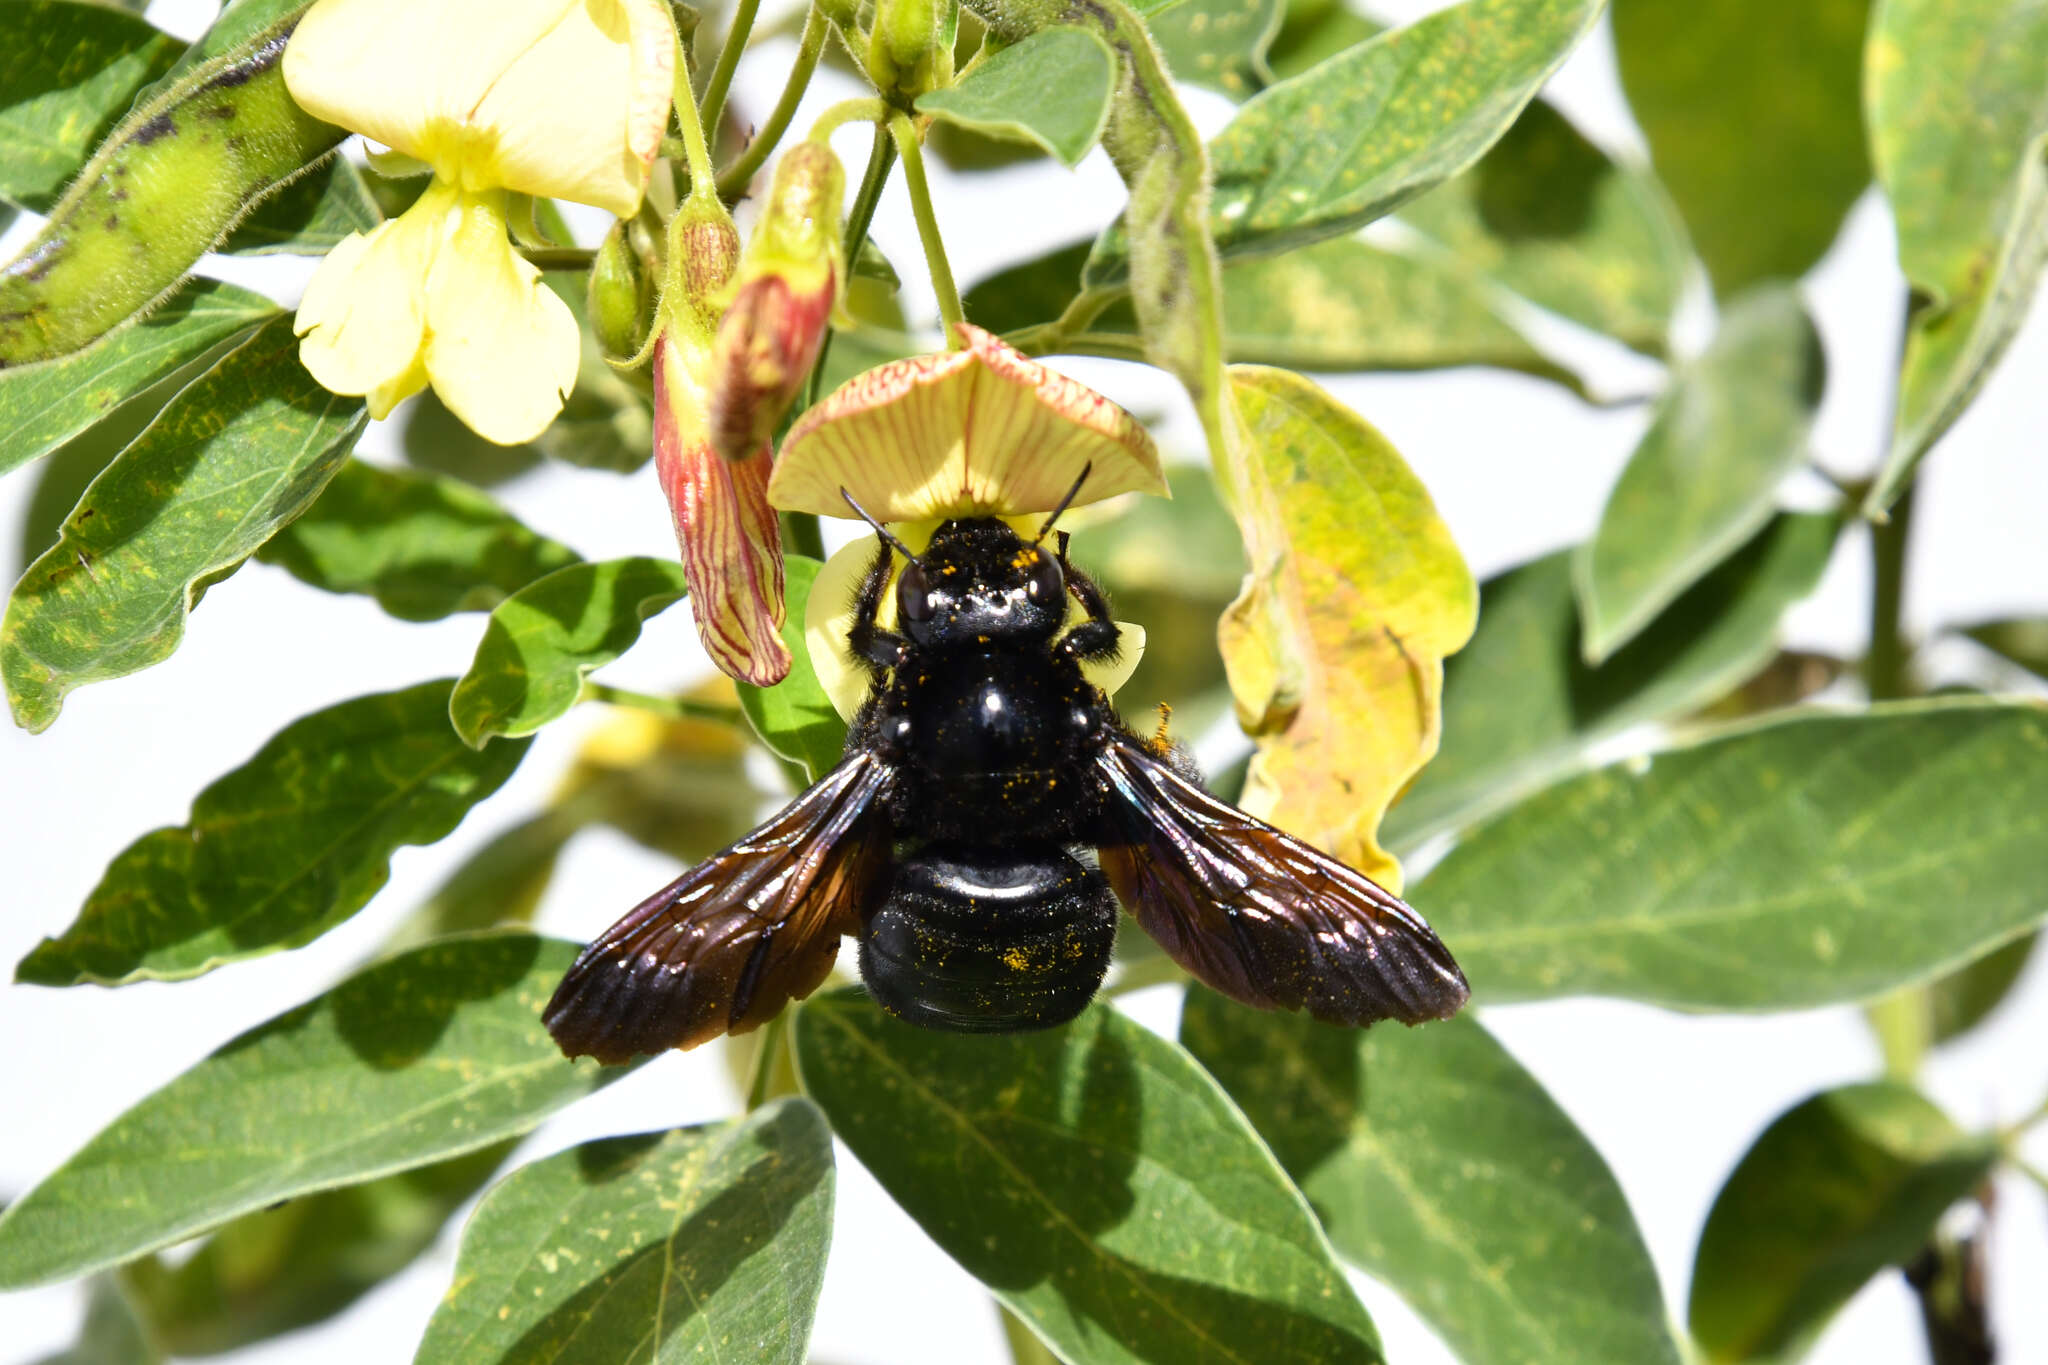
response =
{"points": [[621, 296]]}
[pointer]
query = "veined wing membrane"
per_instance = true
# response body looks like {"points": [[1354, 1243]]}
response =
{"points": [[1259, 915], [728, 944]]}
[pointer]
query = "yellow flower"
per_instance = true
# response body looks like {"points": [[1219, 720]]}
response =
{"points": [[559, 98], [981, 431]]}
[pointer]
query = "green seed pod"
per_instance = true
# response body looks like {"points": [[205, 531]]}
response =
{"points": [[910, 49], [164, 188], [621, 296]]}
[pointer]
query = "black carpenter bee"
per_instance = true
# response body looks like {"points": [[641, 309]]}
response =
{"points": [[945, 841]]}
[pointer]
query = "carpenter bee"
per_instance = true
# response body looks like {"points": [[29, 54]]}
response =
{"points": [[945, 842]]}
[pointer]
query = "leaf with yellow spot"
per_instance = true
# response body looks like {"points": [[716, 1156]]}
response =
{"points": [[1335, 647], [721, 1237]]}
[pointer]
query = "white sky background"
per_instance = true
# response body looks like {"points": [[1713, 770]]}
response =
{"points": [[1518, 467]]}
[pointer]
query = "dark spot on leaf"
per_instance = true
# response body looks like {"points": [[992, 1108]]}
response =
{"points": [[111, 221], [218, 111], [160, 126]]}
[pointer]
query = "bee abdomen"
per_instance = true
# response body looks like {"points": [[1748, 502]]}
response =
{"points": [[979, 940]]}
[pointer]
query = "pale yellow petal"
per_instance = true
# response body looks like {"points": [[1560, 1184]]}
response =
{"points": [[975, 432], [409, 73], [580, 114], [828, 618], [501, 347], [363, 316]]}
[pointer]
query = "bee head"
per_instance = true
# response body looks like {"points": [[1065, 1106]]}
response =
{"points": [[979, 582]]}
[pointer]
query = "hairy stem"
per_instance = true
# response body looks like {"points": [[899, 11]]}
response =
{"points": [[689, 119], [733, 182], [927, 226]]}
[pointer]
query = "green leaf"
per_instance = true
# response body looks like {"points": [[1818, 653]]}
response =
{"points": [[162, 190], [435, 440], [283, 848], [424, 547], [1312, 32], [1052, 89], [67, 74], [308, 217], [1361, 134], [1441, 1167], [1705, 476], [412, 1060], [1804, 861], [238, 454], [289, 1267], [1550, 217], [43, 406], [1218, 43], [1095, 1178], [2023, 641], [543, 640], [1966, 997], [1958, 111], [697, 1243], [1522, 707], [795, 718], [1837, 1188], [1754, 118], [1345, 305]]}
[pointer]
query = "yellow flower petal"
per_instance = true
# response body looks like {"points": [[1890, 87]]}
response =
{"points": [[973, 432], [501, 347], [363, 317], [409, 73], [828, 616], [580, 114]]}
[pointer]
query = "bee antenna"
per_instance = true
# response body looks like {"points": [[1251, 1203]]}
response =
{"points": [[1066, 502], [880, 529]]}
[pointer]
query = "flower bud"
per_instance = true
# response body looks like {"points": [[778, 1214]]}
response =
{"points": [[703, 253], [787, 284], [730, 538], [621, 296], [910, 49]]}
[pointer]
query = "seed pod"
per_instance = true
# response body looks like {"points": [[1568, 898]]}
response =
{"points": [[164, 189]]}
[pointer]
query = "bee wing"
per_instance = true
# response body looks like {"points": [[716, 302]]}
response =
{"points": [[730, 942], [1258, 914]]}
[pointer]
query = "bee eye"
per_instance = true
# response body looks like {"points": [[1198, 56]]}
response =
{"points": [[1046, 584], [913, 596]]}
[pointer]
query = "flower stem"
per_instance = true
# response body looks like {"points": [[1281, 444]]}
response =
{"points": [[728, 62], [865, 110], [881, 156], [927, 226], [670, 708], [732, 183], [764, 1061], [696, 155], [559, 257]]}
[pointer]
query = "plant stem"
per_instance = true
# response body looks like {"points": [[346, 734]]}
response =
{"points": [[928, 226], [671, 708], [881, 156], [721, 74], [688, 118], [559, 257], [1904, 1024], [1885, 667], [764, 1061], [732, 183]]}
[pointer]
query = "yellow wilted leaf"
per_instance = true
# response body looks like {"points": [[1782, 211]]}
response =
{"points": [[1335, 649]]}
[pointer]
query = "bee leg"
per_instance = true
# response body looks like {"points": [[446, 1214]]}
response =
{"points": [[881, 649], [1098, 637]]}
